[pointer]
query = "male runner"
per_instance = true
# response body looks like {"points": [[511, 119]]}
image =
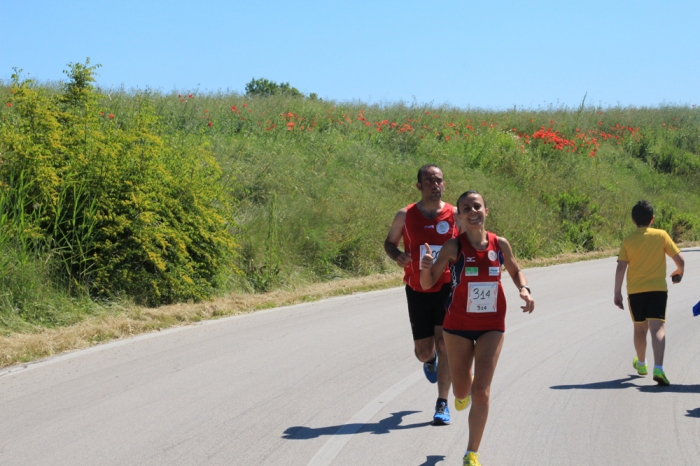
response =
{"points": [[428, 221]]}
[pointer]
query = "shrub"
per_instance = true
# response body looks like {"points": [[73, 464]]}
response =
{"points": [[127, 212]]}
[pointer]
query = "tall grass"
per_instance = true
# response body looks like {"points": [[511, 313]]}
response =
{"points": [[32, 293]]}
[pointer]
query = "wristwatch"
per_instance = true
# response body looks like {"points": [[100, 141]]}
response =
{"points": [[527, 288]]}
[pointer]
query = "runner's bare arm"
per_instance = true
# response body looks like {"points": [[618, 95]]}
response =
{"points": [[391, 243], [516, 274], [619, 277], [430, 272], [680, 267]]}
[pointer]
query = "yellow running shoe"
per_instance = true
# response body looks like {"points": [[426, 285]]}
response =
{"points": [[463, 403], [471, 459], [641, 369], [660, 377]]}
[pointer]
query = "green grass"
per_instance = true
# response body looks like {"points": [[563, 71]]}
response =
{"points": [[314, 205]]}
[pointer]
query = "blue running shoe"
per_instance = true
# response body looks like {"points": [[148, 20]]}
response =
{"points": [[442, 414], [430, 370]]}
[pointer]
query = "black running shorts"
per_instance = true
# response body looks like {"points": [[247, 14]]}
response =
{"points": [[648, 305], [426, 310]]}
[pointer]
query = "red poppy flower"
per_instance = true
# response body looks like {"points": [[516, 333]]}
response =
{"points": [[209, 124], [189, 96], [9, 104], [110, 116], [233, 108]]}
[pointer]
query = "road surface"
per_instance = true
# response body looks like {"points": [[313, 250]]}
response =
{"points": [[336, 383]]}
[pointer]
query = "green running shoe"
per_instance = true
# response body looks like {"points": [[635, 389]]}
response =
{"points": [[660, 378], [641, 368], [471, 459]]}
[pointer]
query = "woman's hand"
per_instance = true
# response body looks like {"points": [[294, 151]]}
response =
{"points": [[529, 302]]}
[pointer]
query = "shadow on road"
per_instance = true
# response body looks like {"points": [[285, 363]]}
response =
{"points": [[432, 460], [693, 413], [626, 383], [606, 385], [384, 426], [673, 388]]}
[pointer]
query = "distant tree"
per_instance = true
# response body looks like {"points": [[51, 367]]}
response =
{"points": [[265, 88]]}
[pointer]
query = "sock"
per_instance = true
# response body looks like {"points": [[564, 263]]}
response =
{"points": [[468, 451], [441, 400], [432, 361], [661, 368], [641, 363]]}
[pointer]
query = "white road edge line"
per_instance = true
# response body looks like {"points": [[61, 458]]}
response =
{"points": [[337, 442]]}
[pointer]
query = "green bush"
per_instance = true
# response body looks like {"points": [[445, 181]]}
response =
{"points": [[126, 210]]}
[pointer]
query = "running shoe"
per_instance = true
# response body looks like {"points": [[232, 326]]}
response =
{"points": [[641, 368], [660, 377], [463, 403], [471, 459], [430, 370], [442, 414]]}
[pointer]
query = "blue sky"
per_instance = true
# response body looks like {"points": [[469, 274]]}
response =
{"points": [[488, 54]]}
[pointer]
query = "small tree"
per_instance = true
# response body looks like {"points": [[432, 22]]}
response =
{"points": [[265, 88]]}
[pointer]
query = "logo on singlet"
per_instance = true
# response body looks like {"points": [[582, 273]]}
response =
{"points": [[471, 259], [492, 255], [471, 271], [442, 227]]}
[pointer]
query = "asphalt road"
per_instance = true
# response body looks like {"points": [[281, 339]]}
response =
{"points": [[335, 382]]}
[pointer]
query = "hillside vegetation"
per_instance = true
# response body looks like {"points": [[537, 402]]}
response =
{"points": [[155, 198]]}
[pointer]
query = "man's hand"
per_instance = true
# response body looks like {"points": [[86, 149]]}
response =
{"points": [[403, 259]]}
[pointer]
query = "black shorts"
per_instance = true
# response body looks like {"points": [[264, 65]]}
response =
{"points": [[426, 310], [648, 305], [472, 335]]}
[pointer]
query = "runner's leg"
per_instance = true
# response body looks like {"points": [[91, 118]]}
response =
{"points": [[425, 349], [657, 328], [640, 339], [486, 352], [460, 353], [443, 375]]}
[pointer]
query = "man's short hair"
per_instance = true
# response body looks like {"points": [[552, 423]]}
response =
{"points": [[642, 213], [424, 169]]}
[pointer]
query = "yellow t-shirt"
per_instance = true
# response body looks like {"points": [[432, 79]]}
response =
{"points": [[644, 250]]}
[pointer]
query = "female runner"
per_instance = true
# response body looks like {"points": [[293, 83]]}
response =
{"points": [[475, 311]]}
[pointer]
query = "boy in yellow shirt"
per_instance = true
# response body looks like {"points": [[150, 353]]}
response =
{"points": [[644, 251]]}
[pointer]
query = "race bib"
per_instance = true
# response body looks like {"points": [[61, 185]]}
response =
{"points": [[434, 249], [482, 297]]}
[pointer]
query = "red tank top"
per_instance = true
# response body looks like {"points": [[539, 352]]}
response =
{"points": [[417, 231], [477, 301]]}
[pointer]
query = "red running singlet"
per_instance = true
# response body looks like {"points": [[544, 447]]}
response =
{"points": [[417, 231], [477, 301]]}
